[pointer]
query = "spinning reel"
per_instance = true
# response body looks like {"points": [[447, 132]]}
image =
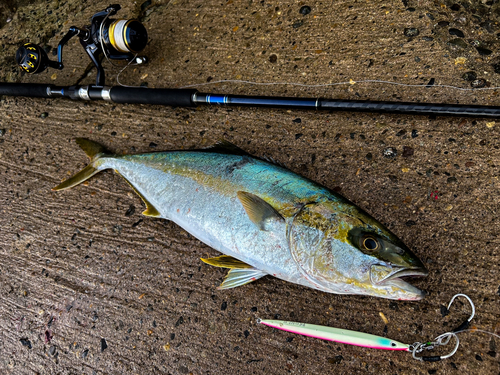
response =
{"points": [[115, 39]]}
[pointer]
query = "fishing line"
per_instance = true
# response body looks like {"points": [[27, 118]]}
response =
{"points": [[351, 82]]}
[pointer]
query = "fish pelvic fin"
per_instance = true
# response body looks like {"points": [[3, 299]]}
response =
{"points": [[94, 151], [237, 277], [239, 274], [259, 211]]}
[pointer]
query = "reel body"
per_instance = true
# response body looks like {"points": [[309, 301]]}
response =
{"points": [[120, 39]]}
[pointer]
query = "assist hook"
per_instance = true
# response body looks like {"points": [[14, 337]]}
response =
{"points": [[443, 339]]}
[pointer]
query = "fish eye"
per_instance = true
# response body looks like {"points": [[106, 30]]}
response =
{"points": [[370, 243]]}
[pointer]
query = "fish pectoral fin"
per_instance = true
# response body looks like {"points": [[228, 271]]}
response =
{"points": [[150, 209], [226, 261], [237, 277], [259, 211]]}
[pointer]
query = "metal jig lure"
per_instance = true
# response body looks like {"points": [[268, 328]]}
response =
{"points": [[367, 340]]}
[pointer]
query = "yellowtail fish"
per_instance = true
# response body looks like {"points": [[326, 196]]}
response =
{"points": [[265, 219]]}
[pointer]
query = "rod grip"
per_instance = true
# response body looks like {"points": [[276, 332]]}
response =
{"points": [[34, 90], [140, 95]]}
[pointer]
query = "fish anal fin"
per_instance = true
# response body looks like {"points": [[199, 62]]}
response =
{"points": [[258, 210], [150, 209], [238, 277], [226, 261]]}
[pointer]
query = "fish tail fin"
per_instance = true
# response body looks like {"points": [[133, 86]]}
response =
{"points": [[94, 151]]}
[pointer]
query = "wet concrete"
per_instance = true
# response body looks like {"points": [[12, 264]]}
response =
{"points": [[90, 286]]}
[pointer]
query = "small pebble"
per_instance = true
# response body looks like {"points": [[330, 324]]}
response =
{"points": [[26, 342], [455, 7], [253, 309], [496, 69], [85, 353], [130, 211], [390, 152], [298, 120], [223, 306], [428, 38], [393, 306], [297, 24], [369, 156], [457, 44], [469, 76], [410, 223], [451, 180], [407, 151], [336, 360], [400, 133], [246, 333], [2, 132], [414, 133], [478, 357], [44, 115], [273, 58], [411, 32], [104, 345], [52, 350], [289, 339], [152, 145], [305, 10], [484, 51], [443, 23], [478, 83], [456, 32]]}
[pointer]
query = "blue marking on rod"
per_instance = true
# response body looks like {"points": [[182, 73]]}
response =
{"points": [[217, 99]]}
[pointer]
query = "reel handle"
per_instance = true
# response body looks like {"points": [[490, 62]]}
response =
{"points": [[33, 59]]}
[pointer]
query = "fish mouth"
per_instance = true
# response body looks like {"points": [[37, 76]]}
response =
{"points": [[410, 292], [407, 273]]}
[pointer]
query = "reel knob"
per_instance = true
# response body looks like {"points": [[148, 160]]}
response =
{"points": [[32, 58]]}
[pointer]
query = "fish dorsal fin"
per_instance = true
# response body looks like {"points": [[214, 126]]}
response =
{"points": [[259, 211], [150, 209], [226, 147], [271, 160], [237, 277], [226, 261]]}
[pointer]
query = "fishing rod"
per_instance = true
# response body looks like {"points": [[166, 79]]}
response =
{"points": [[124, 39]]}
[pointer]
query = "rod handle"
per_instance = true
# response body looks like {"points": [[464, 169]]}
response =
{"points": [[34, 90], [140, 95]]}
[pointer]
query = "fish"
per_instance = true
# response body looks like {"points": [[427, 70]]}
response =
{"points": [[265, 220]]}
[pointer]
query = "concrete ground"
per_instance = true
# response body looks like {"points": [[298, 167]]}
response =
{"points": [[90, 286]]}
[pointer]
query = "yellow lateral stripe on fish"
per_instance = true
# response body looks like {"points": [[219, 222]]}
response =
{"points": [[266, 217]]}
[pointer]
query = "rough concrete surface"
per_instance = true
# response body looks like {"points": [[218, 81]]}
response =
{"points": [[90, 286]]}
